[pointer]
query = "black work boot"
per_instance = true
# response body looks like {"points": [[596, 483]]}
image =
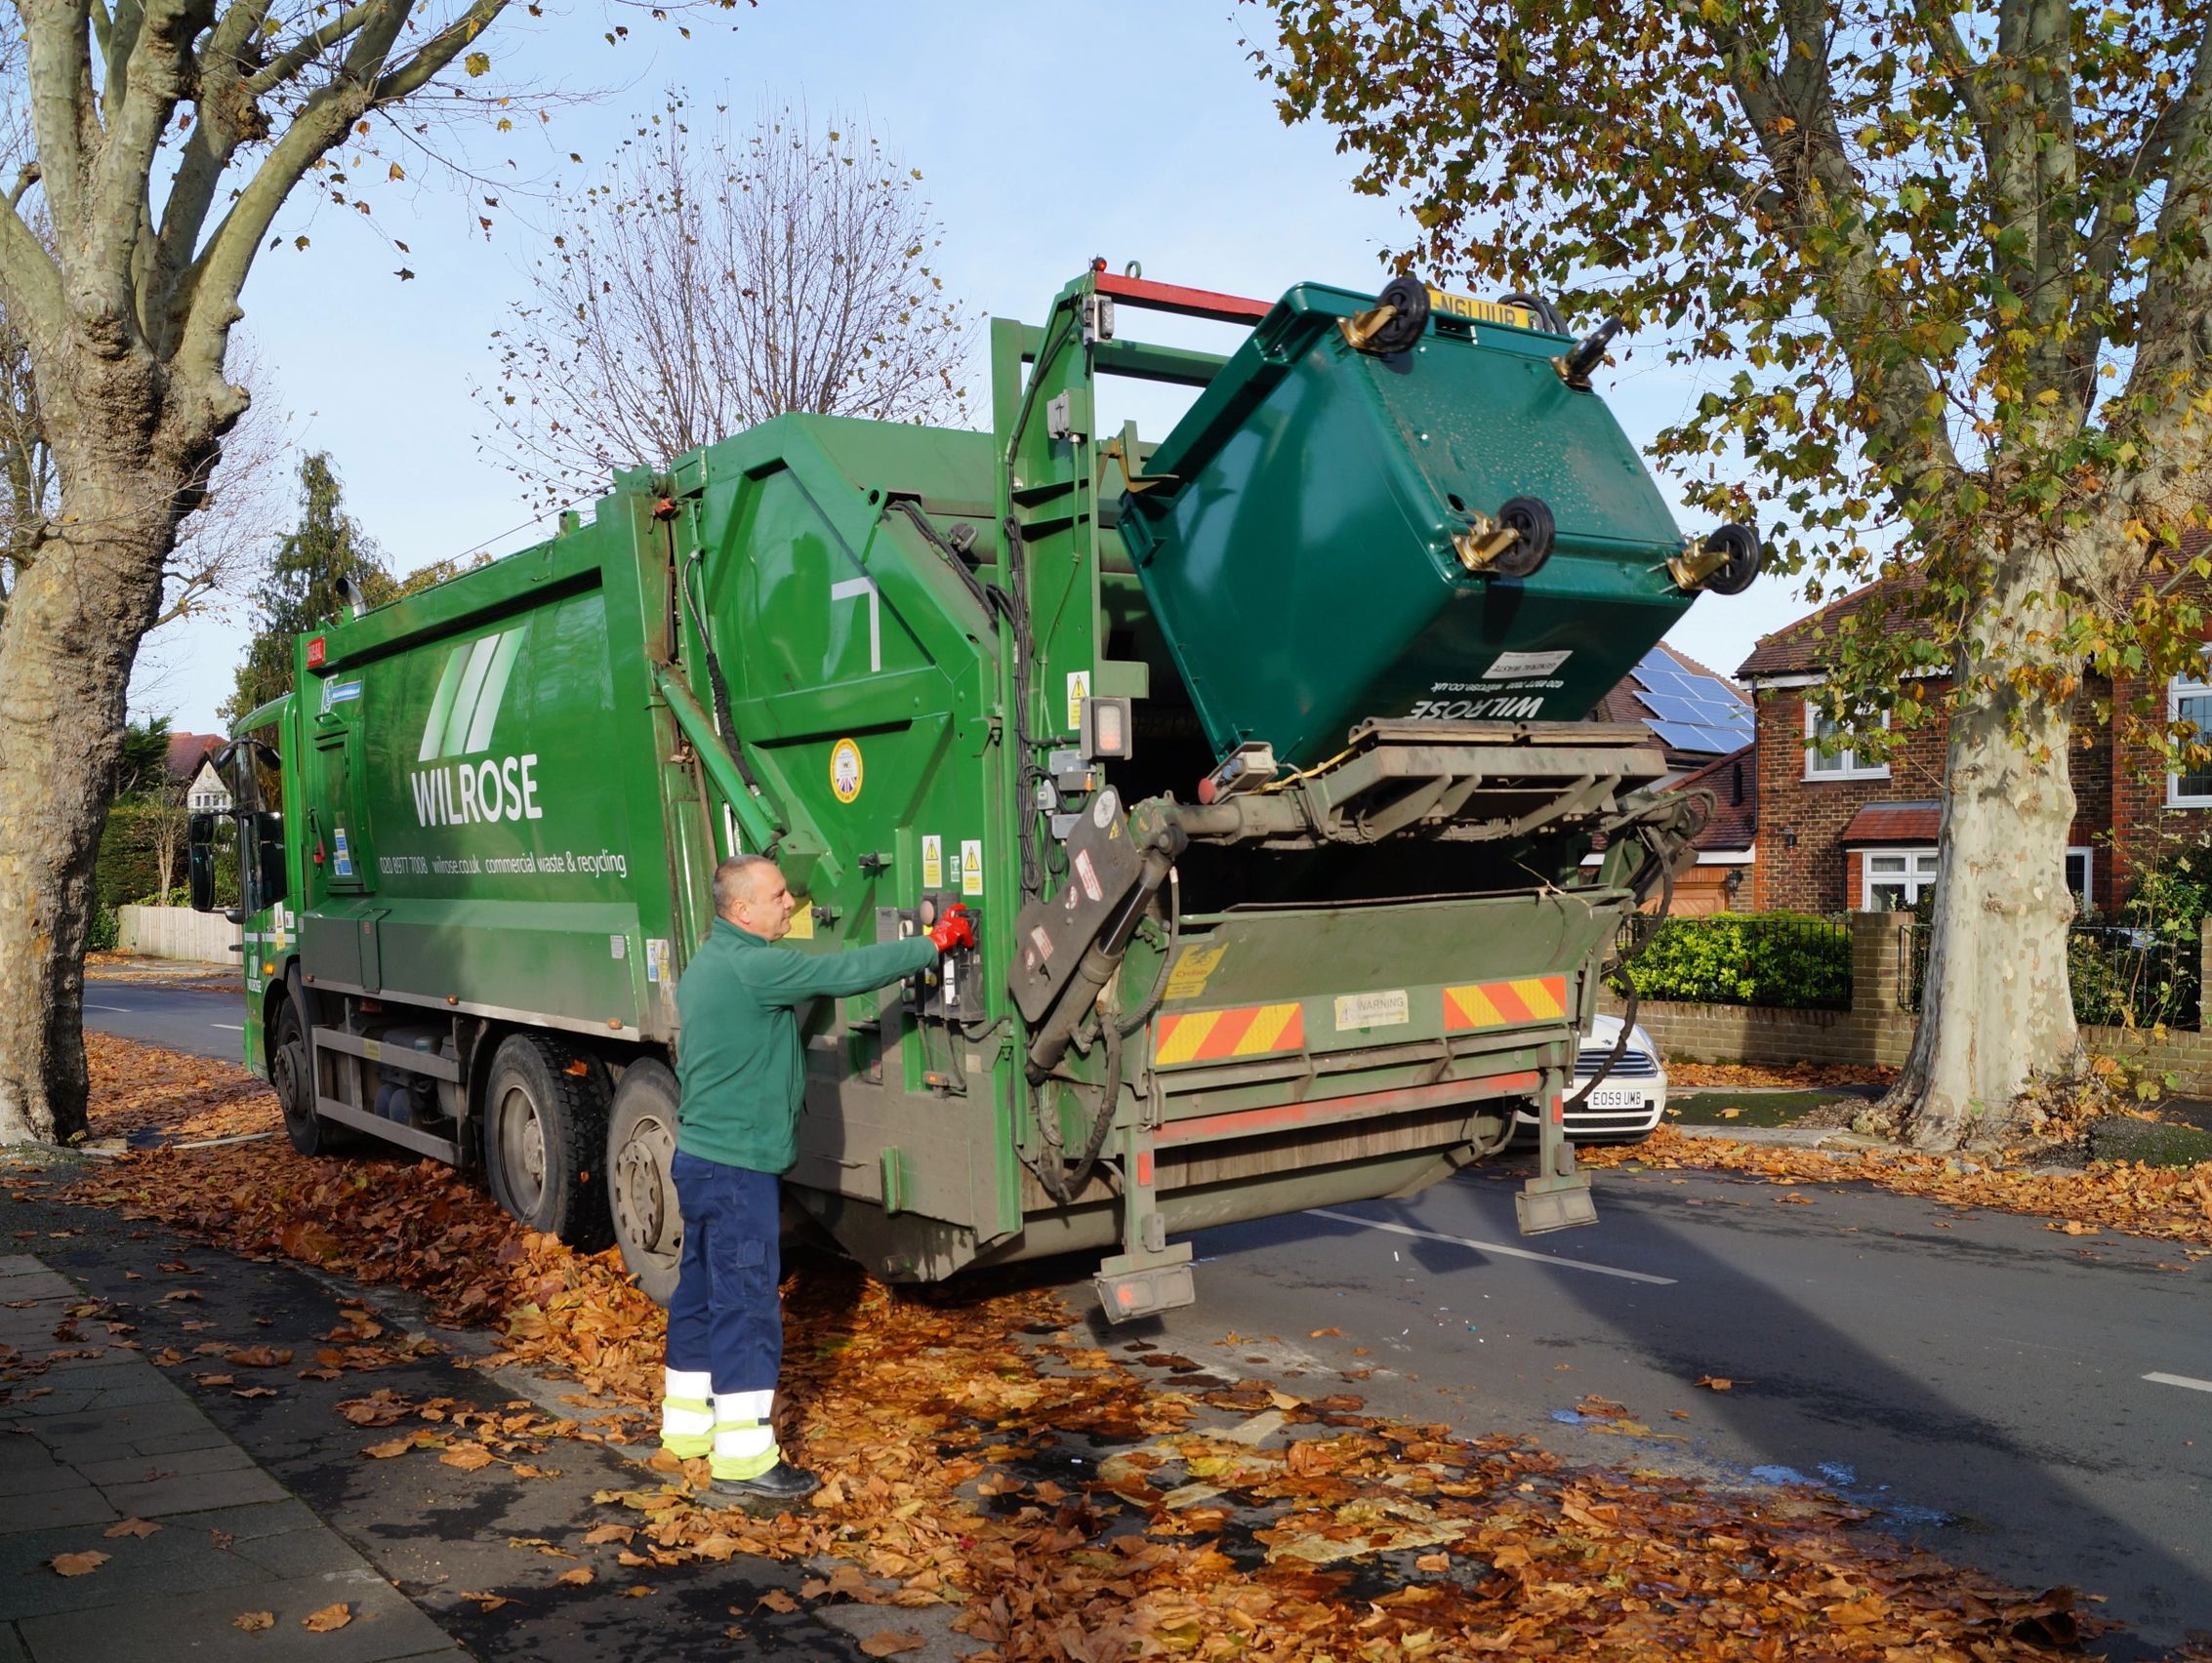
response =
{"points": [[781, 1486]]}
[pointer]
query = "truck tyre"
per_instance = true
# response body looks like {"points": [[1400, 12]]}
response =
{"points": [[648, 1226], [545, 1129], [291, 1072]]}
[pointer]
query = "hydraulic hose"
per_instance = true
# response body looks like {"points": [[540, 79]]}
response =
{"points": [[719, 688]]}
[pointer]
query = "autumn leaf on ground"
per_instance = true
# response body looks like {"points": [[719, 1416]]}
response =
{"points": [[132, 1528], [1325, 1334], [253, 1622], [889, 1643], [468, 1457], [387, 1450], [579, 1576], [329, 1618], [77, 1564], [775, 1600], [1716, 1382], [257, 1357], [488, 1602]]}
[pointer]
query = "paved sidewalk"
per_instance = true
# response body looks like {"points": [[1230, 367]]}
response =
{"points": [[100, 1437]]}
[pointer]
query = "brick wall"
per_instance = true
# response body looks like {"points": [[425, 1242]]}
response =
{"points": [[1875, 1031], [2142, 826], [1802, 866]]}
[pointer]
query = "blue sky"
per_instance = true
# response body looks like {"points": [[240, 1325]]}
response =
{"points": [[1046, 134]]}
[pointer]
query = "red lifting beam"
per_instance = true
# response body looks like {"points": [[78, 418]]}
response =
{"points": [[1187, 303]]}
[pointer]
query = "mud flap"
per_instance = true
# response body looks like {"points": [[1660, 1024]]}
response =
{"points": [[1557, 1198]]}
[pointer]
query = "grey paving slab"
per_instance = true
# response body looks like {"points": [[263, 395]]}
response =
{"points": [[79, 1503], [167, 1563], [135, 1468], [202, 1436], [384, 1628], [194, 1492], [119, 1441]]}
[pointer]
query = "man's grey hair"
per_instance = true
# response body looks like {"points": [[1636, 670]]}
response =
{"points": [[735, 878]]}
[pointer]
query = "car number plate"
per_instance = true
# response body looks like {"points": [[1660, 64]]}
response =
{"points": [[1618, 1097]]}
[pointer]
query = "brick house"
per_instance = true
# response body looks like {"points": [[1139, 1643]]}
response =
{"points": [[1839, 833], [1704, 721]]}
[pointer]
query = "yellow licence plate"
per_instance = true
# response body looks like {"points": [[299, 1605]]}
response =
{"points": [[1478, 311]]}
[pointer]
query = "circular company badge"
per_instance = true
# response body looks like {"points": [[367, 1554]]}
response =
{"points": [[846, 771]]}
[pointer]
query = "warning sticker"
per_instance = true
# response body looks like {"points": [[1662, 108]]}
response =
{"points": [[1373, 1010], [1089, 874], [1516, 666], [341, 853], [932, 863], [1078, 689], [656, 957], [1189, 977], [802, 924], [972, 866], [845, 770]]}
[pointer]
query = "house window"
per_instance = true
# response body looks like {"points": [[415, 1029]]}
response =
{"points": [[1844, 764], [2190, 700], [2080, 872], [1897, 878]]}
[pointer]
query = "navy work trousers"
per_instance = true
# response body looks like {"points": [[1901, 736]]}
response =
{"points": [[727, 1317]]}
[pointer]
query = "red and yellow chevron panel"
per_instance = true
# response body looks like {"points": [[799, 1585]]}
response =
{"points": [[1504, 1004], [1248, 1031]]}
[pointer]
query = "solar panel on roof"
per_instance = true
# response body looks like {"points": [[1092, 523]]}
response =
{"points": [[1706, 687], [1687, 736], [1669, 708]]}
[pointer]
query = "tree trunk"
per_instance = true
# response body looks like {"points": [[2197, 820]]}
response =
{"points": [[1996, 1009], [66, 643]]}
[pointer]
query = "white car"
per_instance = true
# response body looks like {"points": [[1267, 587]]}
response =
{"points": [[1628, 1103]]}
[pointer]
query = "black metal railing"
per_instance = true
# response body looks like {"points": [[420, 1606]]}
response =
{"points": [[2121, 977], [1793, 960]]}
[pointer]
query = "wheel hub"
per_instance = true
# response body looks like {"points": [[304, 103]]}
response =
{"points": [[643, 1201]]}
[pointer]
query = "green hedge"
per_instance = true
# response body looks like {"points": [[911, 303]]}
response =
{"points": [[1795, 960]]}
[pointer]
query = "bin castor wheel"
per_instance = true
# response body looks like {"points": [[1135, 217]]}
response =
{"points": [[1745, 558], [1403, 332], [1531, 516]]}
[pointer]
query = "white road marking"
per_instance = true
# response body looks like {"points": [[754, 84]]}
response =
{"points": [[1493, 1247], [119, 1010], [234, 1026], [2181, 1380]]}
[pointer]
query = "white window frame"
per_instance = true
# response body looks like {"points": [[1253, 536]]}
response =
{"points": [[1912, 878], [1844, 764], [2180, 688]]}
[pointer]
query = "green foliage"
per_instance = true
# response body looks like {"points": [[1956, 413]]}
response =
{"points": [[2148, 971], [127, 868], [143, 766], [302, 592], [1794, 960], [105, 928]]}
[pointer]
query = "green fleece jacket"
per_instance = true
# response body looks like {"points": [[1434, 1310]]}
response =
{"points": [[741, 1062]]}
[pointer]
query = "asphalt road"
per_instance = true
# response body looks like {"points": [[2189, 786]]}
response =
{"points": [[182, 1019], [2034, 1404], [2016, 1399]]}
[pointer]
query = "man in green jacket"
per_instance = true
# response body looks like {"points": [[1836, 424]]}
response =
{"points": [[742, 1066]]}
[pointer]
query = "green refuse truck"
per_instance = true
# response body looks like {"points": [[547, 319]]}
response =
{"points": [[1257, 753]]}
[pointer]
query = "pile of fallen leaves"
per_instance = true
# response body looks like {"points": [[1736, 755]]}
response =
{"points": [[2170, 1204], [977, 1452], [1800, 1075], [138, 1089]]}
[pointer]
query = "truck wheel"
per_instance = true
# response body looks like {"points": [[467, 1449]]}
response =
{"points": [[545, 1129], [291, 1072], [641, 1193]]}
